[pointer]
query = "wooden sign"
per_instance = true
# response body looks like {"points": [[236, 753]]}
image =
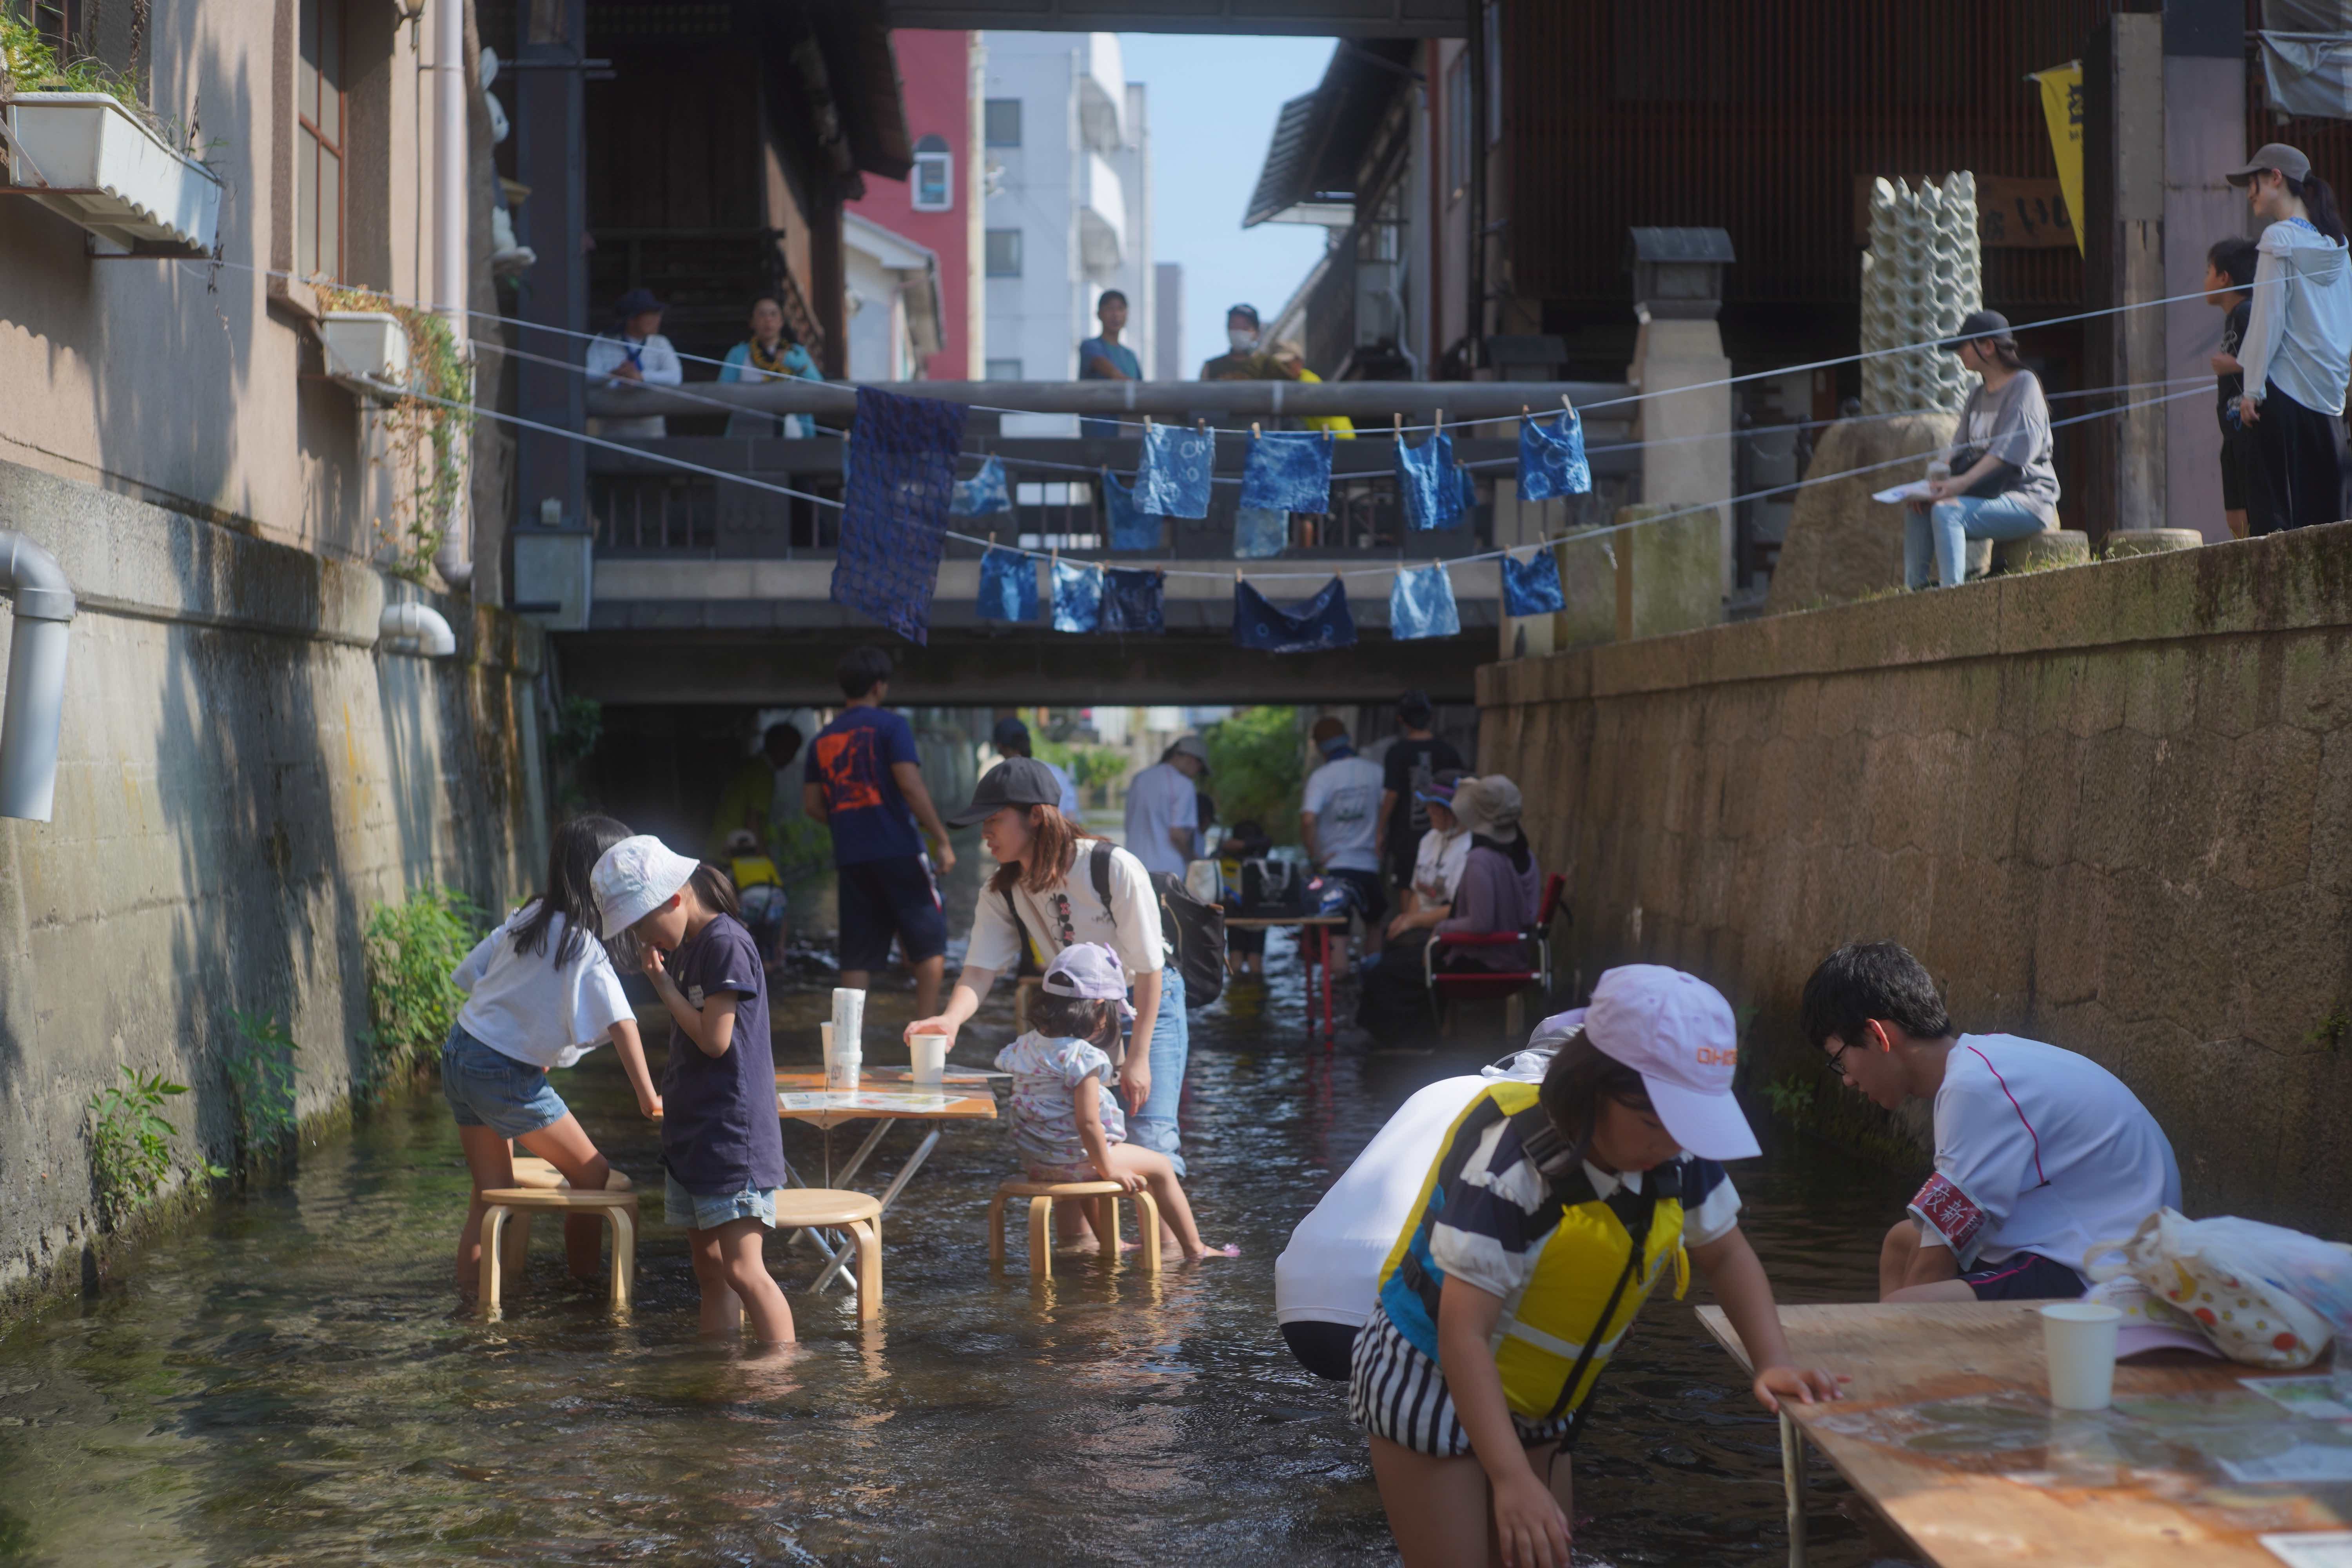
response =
{"points": [[2013, 213]]}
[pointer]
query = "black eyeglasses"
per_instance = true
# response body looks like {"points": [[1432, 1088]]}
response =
{"points": [[1833, 1067]]}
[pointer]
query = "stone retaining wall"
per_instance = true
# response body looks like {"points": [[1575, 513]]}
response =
{"points": [[2109, 806]]}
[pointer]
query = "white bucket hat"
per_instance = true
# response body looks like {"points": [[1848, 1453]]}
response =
{"points": [[633, 878], [1090, 970], [1678, 1033]]}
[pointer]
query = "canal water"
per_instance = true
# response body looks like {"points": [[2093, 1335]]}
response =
{"points": [[289, 1382]]}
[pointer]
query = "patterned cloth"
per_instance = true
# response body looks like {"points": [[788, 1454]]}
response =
{"points": [[1288, 470], [1322, 622], [1134, 602], [1258, 532], [1173, 479], [1428, 484], [1047, 1072], [1420, 604], [1130, 529], [1078, 597], [1008, 586], [1551, 461], [983, 493], [901, 465], [1531, 587]]}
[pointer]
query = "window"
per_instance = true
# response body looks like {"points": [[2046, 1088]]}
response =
{"points": [[1005, 253], [1001, 118], [934, 175], [1459, 127], [1004, 370], [319, 150]]}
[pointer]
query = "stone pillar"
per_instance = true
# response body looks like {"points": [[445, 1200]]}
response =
{"points": [[1678, 291], [551, 473], [2204, 137]]}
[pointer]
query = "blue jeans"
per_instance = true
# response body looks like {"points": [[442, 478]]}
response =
{"points": [[1154, 1126], [1944, 529]]}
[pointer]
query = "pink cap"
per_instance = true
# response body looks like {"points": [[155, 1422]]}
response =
{"points": [[1678, 1033]]}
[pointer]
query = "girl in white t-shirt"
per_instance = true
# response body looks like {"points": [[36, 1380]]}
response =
{"points": [[540, 992]]}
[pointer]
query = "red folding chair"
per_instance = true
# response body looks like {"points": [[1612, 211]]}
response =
{"points": [[1485, 984]]}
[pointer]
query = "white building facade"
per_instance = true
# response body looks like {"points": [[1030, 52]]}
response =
{"points": [[1067, 149]]}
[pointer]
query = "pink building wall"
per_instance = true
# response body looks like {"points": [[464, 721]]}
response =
{"points": [[935, 70]]}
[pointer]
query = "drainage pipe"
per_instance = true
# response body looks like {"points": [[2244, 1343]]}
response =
{"points": [[415, 628], [44, 604], [455, 559]]}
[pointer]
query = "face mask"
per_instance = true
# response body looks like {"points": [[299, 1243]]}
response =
{"points": [[1242, 338]]}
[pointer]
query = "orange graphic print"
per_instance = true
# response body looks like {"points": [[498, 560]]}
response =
{"points": [[853, 776]]}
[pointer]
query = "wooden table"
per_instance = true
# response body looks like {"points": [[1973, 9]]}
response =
{"points": [[1322, 926], [802, 1097], [1945, 1430]]}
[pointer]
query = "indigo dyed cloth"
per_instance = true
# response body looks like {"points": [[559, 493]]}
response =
{"points": [[1289, 471], [1134, 603], [1551, 461], [1173, 479], [1429, 486], [1258, 533], [983, 493], [893, 517], [1421, 605], [1322, 622], [1078, 597], [1008, 586], [1532, 587], [1130, 529]]}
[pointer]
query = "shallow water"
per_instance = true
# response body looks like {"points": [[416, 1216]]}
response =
{"points": [[289, 1382]]}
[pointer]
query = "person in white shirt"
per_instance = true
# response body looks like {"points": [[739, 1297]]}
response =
{"points": [[1011, 739], [1163, 815], [634, 354], [1340, 823], [2042, 1155], [1437, 864]]}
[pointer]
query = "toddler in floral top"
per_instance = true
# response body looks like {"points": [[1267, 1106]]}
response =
{"points": [[1064, 1125]]}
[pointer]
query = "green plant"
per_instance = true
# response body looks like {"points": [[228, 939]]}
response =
{"points": [[34, 66], [579, 725], [2330, 1031], [1089, 767], [411, 949], [1258, 766], [425, 430], [261, 1073], [1792, 1096], [130, 1142]]}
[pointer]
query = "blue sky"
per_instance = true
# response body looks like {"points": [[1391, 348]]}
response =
{"points": [[1212, 104]]}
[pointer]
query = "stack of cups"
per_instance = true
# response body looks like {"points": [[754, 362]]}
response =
{"points": [[842, 1057]]}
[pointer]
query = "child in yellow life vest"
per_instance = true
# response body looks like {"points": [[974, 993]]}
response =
{"points": [[760, 891], [1545, 1222]]}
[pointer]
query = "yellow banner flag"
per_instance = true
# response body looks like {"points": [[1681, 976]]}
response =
{"points": [[2062, 105]]}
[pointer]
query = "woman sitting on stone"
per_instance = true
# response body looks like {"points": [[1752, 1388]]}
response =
{"points": [[2002, 484]]}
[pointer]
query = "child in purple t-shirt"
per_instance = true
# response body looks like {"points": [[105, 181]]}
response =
{"points": [[721, 1143]]}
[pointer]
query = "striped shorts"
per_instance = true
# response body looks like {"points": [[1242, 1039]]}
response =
{"points": [[1397, 1393]]}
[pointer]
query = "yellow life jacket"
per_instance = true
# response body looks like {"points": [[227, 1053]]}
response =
{"points": [[1598, 1261], [754, 872]]}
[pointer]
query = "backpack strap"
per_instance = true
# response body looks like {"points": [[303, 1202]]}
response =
{"points": [[1098, 867]]}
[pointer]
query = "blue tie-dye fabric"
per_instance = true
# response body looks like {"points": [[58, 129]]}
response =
{"points": [[1428, 485], [1322, 622], [901, 476], [1421, 605], [1551, 461], [1008, 586], [1078, 597], [1289, 471], [1130, 529], [983, 493], [1134, 603], [1258, 533], [1173, 479], [1532, 587]]}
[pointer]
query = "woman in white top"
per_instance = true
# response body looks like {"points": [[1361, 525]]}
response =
{"points": [[2298, 347], [1048, 887], [1437, 867], [540, 992], [635, 355]]}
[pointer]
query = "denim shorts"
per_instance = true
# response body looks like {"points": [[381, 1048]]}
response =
{"points": [[488, 1089], [696, 1212]]}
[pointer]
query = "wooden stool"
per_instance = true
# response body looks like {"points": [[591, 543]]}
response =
{"points": [[1043, 1196], [813, 1208], [618, 1206], [530, 1170]]}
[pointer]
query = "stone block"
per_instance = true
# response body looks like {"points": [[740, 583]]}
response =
{"points": [[2122, 543], [2267, 800], [2046, 551], [1841, 545]]}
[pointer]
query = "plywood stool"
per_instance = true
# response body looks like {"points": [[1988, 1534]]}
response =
{"points": [[530, 1170], [858, 1214], [617, 1204], [1043, 1196]]}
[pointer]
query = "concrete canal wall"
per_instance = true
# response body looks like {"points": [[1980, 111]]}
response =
{"points": [[2109, 806], [244, 775]]}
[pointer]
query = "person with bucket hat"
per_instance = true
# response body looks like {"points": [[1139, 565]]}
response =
{"points": [[2004, 483], [633, 354], [1550, 1216], [2298, 345]]}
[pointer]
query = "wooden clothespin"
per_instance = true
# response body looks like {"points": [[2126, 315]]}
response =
{"points": [[1524, 413], [1400, 425], [1564, 403], [1440, 428], [1147, 423], [1253, 430], [1202, 425]]}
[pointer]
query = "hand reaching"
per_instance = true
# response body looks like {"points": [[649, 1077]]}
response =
{"points": [[1806, 1385]]}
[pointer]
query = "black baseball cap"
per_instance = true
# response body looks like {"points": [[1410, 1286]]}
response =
{"points": [[1009, 732], [1979, 324], [1021, 782]]}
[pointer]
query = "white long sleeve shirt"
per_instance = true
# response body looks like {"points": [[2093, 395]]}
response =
{"points": [[2299, 329], [656, 364]]}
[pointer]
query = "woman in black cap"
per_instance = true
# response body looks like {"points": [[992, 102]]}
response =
{"points": [[2002, 484], [2298, 341], [633, 354]]}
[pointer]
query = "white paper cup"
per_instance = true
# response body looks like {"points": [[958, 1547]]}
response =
{"points": [[848, 1018], [2079, 1339], [931, 1057], [841, 1070]]}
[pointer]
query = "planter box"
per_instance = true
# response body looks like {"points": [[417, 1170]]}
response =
{"points": [[367, 351], [86, 157]]}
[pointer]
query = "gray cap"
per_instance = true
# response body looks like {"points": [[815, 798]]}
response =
{"points": [[2286, 160], [1978, 325], [1189, 746]]}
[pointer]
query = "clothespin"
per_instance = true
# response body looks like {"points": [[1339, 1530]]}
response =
{"points": [[1524, 413], [1253, 430], [1440, 428], [1400, 425], [1147, 423], [1564, 403], [1202, 425]]}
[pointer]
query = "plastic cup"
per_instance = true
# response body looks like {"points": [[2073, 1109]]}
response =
{"points": [[931, 1057], [2079, 1339], [848, 1016]]}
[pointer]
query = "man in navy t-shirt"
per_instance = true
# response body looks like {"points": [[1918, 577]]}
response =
{"points": [[865, 783]]}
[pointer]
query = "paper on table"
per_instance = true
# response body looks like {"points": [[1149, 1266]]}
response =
{"points": [[2308, 1463], [2311, 1549], [892, 1102], [1916, 490], [2310, 1396]]}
